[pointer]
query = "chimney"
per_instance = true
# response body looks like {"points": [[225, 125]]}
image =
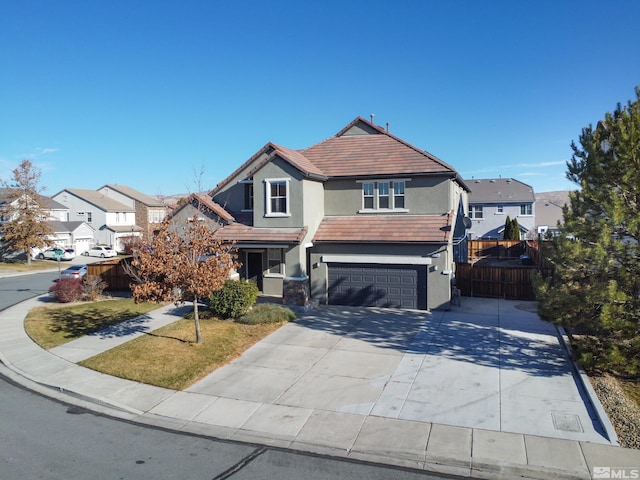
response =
{"points": [[372, 117]]}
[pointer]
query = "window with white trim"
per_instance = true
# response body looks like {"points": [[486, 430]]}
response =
{"points": [[156, 216], [383, 195], [398, 194], [277, 197], [526, 209], [475, 211], [275, 260], [500, 209], [89, 217], [368, 195]]}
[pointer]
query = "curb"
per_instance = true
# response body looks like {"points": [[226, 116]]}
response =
{"points": [[600, 412]]}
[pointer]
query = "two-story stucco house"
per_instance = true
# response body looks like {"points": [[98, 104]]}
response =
{"points": [[149, 211], [362, 218], [493, 199], [111, 219], [64, 234]]}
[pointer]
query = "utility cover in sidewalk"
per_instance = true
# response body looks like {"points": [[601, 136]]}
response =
{"points": [[566, 422]]}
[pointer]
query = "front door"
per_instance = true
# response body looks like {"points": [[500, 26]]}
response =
{"points": [[254, 268]]}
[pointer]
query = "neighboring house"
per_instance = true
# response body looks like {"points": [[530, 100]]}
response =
{"points": [[202, 206], [493, 199], [362, 218], [149, 211], [112, 220], [548, 209], [76, 235]]}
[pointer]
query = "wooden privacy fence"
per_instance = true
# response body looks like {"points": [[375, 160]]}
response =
{"points": [[112, 273], [495, 249], [481, 278], [512, 283]]}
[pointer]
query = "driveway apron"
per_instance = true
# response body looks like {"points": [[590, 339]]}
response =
{"points": [[489, 364]]}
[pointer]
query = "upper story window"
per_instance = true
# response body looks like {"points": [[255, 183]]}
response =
{"points": [[526, 209], [475, 211], [277, 197], [500, 209], [89, 217], [156, 216], [383, 195], [398, 194], [368, 195], [248, 196]]}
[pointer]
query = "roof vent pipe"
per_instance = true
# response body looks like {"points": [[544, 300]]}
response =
{"points": [[387, 127], [372, 117]]}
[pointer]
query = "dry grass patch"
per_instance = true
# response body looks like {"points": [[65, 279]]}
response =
{"points": [[170, 358], [58, 323], [22, 266]]}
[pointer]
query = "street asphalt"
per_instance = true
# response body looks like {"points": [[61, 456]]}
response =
{"points": [[485, 390]]}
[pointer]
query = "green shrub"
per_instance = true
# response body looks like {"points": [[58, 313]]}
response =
{"points": [[67, 290], [233, 299], [267, 313]]}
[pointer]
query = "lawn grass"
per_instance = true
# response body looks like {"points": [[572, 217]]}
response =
{"points": [[57, 323], [21, 266], [170, 358]]}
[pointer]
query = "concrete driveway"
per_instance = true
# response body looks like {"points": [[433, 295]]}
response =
{"points": [[489, 364]]}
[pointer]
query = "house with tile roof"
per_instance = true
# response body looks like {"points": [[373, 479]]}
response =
{"points": [[493, 199], [149, 211], [112, 220], [361, 218]]}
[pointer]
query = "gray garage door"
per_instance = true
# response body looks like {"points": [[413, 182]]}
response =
{"points": [[395, 286]]}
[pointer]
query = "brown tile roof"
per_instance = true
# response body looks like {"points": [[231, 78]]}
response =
{"points": [[378, 153], [207, 202], [385, 229], [298, 160], [272, 150], [360, 149], [237, 232]]}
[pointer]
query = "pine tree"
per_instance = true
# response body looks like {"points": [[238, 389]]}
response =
{"points": [[511, 229], [506, 235], [595, 289], [25, 226], [515, 230]]}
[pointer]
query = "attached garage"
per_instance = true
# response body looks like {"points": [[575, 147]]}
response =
{"points": [[377, 285]]}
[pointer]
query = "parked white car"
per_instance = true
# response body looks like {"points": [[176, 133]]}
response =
{"points": [[100, 251], [54, 253]]}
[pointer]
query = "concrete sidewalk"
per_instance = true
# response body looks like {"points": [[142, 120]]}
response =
{"points": [[270, 411]]}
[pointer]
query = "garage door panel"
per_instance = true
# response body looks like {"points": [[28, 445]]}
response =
{"points": [[377, 285]]}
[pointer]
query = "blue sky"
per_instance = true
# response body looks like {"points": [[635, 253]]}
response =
{"points": [[148, 93]]}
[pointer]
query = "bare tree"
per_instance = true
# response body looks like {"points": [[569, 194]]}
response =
{"points": [[180, 264], [25, 226]]}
